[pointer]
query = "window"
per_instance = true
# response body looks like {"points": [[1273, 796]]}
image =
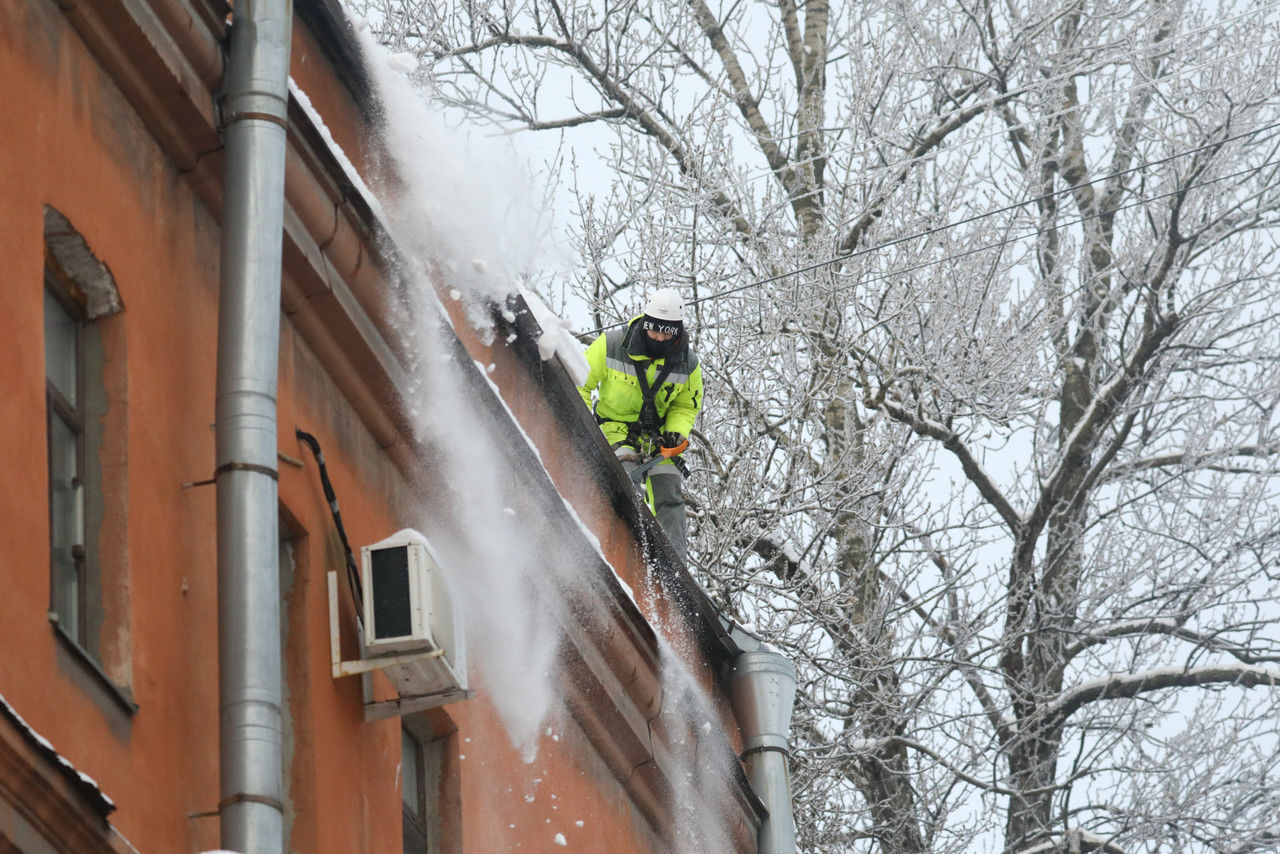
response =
{"points": [[64, 378], [85, 394], [429, 785], [413, 788]]}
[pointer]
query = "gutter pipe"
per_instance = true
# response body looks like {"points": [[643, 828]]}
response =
{"points": [[762, 689], [249, 659]]}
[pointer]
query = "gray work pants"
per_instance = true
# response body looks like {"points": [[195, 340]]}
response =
{"points": [[668, 502]]}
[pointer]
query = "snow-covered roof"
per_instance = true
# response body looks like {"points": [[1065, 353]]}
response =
{"points": [[85, 785]]}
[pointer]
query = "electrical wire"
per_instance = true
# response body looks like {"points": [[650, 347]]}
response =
{"points": [[353, 574], [1049, 81], [868, 145], [996, 212], [984, 215], [1009, 240], [868, 174]]}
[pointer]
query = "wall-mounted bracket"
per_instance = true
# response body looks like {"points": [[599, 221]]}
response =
{"points": [[381, 709]]}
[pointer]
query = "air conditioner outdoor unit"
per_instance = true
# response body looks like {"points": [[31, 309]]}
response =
{"points": [[410, 619]]}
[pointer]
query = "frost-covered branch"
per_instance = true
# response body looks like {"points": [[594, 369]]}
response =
{"points": [[950, 440], [955, 121], [1172, 628], [1208, 460], [747, 103], [1077, 447], [575, 121], [630, 106], [1128, 685]]}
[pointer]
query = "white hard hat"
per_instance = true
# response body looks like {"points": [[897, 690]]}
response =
{"points": [[665, 304]]}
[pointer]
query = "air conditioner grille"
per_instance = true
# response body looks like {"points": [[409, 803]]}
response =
{"points": [[392, 612]]}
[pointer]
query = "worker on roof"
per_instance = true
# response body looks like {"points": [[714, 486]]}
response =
{"points": [[650, 390]]}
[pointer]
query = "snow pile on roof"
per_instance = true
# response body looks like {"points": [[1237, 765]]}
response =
{"points": [[556, 339], [348, 168]]}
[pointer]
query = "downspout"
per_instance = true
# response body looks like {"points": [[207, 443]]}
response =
{"points": [[762, 688], [249, 668]]}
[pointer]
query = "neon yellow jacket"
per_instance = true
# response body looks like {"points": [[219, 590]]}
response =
{"points": [[613, 371]]}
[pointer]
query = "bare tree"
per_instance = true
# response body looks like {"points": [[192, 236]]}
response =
{"points": [[984, 293]]}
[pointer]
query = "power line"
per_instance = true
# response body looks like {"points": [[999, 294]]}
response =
{"points": [[1133, 53], [984, 215], [1009, 240], [865, 176], [867, 145]]}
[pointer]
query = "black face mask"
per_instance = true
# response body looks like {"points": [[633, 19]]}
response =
{"points": [[657, 349]]}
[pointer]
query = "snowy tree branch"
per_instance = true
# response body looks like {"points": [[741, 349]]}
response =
{"points": [[951, 441], [630, 107], [854, 236], [1172, 628], [1129, 685], [574, 121], [1203, 460], [1077, 446], [746, 102]]}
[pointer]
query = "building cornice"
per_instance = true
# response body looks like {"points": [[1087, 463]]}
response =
{"points": [[44, 800]]}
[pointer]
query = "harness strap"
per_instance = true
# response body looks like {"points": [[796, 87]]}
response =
{"points": [[649, 406], [647, 424]]}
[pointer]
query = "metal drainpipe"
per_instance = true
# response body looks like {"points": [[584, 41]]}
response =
{"points": [[249, 669], [762, 688]]}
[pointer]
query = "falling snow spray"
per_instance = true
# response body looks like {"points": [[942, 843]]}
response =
{"points": [[472, 223], [475, 223]]}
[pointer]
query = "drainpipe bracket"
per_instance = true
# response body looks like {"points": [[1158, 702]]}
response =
{"points": [[249, 115], [765, 741], [245, 797], [765, 748], [249, 467]]}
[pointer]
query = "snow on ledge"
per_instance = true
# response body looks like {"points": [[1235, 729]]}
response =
{"points": [[344, 162], [83, 781]]}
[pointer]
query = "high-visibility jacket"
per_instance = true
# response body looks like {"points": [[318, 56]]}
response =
{"points": [[613, 370]]}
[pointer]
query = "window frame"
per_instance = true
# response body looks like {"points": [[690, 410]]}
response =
{"points": [[419, 822], [83, 287], [72, 415]]}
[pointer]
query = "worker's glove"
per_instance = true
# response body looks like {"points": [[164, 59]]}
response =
{"points": [[672, 439], [626, 454]]}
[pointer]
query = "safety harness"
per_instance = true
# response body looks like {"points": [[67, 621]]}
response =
{"points": [[645, 432], [648, 425], [648, 420]]}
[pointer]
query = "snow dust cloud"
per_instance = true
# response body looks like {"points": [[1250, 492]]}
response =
{"points": [[472, 219]]}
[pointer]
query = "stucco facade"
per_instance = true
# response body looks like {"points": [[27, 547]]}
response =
{"points": [[110, 155]]}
